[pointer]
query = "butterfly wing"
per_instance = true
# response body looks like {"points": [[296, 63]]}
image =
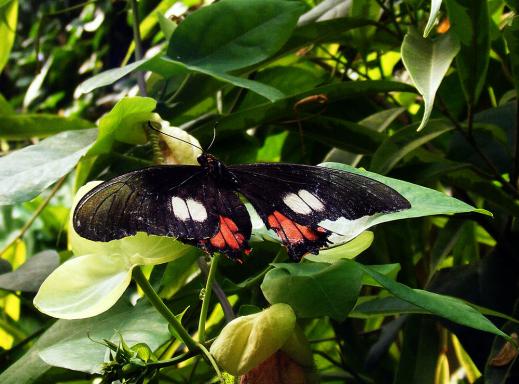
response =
{"points": [[176, 201], [305, 204]]}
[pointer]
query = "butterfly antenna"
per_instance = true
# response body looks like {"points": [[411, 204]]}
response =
{"points": [[214, 136], [150, 126]]}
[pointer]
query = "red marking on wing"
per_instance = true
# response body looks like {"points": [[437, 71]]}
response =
{"points": [[227, 235], [290, 231]]}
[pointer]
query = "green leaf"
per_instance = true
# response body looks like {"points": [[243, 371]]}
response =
{"points": [[168, 68], [92, 282], [378, 122], [435, 8], [167, 26], [343, 134], [79, 351], [447, 307], [269, 112], [210, 38], [8, 19], [327, 31], [405, 141], [31, 274], [427, 62], [124, 123], [349, 250], [512, 40], [314, 289], [27, 125], [5, 108], [424, 201], [66, 342], [470, 23], [112, 75], [25, 173]]}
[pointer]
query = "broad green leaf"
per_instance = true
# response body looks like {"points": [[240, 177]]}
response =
{"points": [[141, 323], [210, 38], [512, 40], [8, 19], [470, 23], [92, 282], [406, 140], [349, 250], [424, 201], [168, 68], [31, 274], [27, 125], [435, 8], [314, 289], [270, 112], [427, 61], [111, 76], [447, 307], [124, 123], [84, 286], [78, 349], [25, 173]]}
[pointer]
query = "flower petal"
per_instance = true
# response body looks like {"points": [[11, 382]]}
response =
{"points": [[247, 341], [84, 286]]}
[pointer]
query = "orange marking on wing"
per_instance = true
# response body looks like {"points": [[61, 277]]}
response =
{"points": [[229, 223], [229, 231], [217, 241], [308, 233]]}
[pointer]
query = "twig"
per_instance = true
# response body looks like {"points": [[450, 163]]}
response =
{"points": [[35, 215], [138, 45], [470, 139], [218, 292]]}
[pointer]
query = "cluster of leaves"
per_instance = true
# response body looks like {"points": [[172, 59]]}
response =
{"points": [[425, 93]]}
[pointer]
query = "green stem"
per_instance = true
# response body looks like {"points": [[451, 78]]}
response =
{"points": [[157, 302], [138, 45], [211, 361], [207, 297]]}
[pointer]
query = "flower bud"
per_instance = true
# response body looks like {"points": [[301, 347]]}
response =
{"points": [[248, 341]]}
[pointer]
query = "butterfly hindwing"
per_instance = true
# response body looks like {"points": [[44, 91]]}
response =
{"points": [[297, 200], [176, 201]]}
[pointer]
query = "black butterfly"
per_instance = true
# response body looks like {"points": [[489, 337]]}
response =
{"points": [[200, 205]]}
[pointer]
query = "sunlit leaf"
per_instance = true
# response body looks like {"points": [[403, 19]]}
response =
{"points": [[427, 62], [25, 173]]}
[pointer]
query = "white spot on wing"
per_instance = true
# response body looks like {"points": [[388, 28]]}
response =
{"points": [[343, 230], [197, 210], [180, 208], [311, 200], [296, 204]]}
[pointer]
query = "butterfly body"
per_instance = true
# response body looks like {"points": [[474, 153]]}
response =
{"points": [[200, 205]]}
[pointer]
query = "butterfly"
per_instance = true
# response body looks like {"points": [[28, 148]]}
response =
{"points": [[201, 205]]}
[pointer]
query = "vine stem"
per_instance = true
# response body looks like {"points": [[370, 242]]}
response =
{"points": [[207, 297], [159, 305], [35, 215]]}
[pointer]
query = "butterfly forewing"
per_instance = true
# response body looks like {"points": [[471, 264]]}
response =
{"points": [[297, 201], [177, 201]]}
